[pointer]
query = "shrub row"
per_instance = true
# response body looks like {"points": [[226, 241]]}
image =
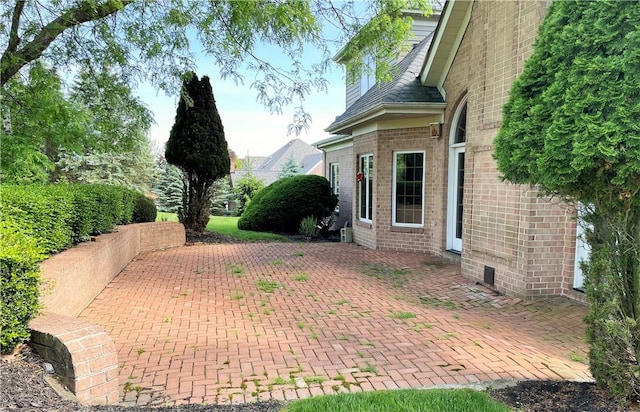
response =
{"points": [[20, 257], [36, 220]]}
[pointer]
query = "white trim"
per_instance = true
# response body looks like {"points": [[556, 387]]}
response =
{"points": [[452, 242], [447, 39], [369, 197], [405, 109], [454, 50], [394, 124], [334, 143], [393, 183]]}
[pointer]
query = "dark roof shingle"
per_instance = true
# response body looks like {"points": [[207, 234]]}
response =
{"points": [[404, 88]]}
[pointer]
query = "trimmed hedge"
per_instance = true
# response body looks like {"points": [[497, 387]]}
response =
{"points": [[281, 206], [20, 257], [36, 220], [42, 212]]}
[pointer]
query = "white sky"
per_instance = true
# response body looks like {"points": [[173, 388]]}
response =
{"points": [[249, 127]]}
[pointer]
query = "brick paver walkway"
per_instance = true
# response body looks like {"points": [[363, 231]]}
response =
{"points": [[232, 323]]}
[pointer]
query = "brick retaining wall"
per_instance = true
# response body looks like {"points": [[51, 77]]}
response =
{"points": [[83, 354]]}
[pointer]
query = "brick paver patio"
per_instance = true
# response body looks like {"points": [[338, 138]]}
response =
{"points": [[234, 323]]}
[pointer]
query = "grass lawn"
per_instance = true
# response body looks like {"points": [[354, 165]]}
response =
{"points": [[425, 400], [228, 226]]}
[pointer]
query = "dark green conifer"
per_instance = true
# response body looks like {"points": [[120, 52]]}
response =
{"points": [[197, 146]]}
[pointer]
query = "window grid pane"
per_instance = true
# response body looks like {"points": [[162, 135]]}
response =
{"points": [[365, 187], [409, 188], [461, 126], [334, 178]]}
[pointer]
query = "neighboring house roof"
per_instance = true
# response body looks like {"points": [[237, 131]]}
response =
{"points": [[404, 95], [270, 167], [310, 161]]}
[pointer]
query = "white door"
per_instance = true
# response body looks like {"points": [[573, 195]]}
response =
{"points": [[455, 201]]}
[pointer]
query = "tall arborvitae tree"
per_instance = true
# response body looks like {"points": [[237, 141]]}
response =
{"points": [[572, 126], [197, 146]]}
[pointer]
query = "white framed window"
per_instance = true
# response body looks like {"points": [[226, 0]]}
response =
{"points": [[408, 189], [334, 178], [368, 75], [365, 188]]}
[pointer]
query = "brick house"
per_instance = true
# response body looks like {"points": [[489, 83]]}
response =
{"points": [[414, 157]]}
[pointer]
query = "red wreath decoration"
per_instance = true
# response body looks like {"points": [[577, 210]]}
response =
{"points": [[360, 176]]}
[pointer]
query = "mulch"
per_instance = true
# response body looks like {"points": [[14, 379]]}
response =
{"points": [[26, 387]]}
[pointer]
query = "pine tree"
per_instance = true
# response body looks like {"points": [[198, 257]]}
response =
{"points": [[290, 168], [169, 188], [197, 146]]}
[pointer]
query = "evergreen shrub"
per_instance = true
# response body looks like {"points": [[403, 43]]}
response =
{"points": [[281, 206], [145, 209]]}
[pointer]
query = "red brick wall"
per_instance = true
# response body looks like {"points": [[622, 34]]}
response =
{"points": [[429, 238], [73, 278], [83, 354]]}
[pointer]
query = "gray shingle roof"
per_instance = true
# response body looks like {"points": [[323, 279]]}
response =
{"points": [[270, 167], [404, 88]]}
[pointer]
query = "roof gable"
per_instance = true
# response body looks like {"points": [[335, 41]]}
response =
{"points": [[404, 89], [454, 20]]}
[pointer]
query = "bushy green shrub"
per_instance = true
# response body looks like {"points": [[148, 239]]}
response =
{"points": [[129, 204], [145, 209], [281, 206], [20, 256], [612, 288], [85, 211], [99, 208]]}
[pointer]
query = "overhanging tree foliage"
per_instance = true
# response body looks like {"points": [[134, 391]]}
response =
{"points": [[96, 133], [572, 126], [149, 41], [39, 121], [197, 146]]}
